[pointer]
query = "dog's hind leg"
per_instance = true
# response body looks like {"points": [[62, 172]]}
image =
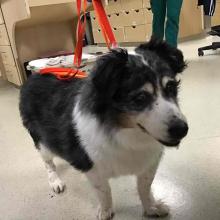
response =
{"points": [[54, 181]]}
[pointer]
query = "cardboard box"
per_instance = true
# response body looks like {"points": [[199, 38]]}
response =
{"points": [[148, 16], [139, 33], [131, 4], [146, 4], [113, 6]]}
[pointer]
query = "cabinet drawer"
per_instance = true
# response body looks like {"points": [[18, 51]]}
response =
{"points": [[94, 20], [131, 4], [113, 6], [97, 34], [146, 4], [148, 16], [7, 55], [190, 19], [3, 35], [118, 32], [1, 18], [216, 17], [139, 33], [133, 17], [12, 74]]}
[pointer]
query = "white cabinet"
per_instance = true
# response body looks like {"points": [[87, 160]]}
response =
{"points": [[8, 64]]}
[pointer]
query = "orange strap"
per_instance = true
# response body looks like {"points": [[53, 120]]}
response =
{"points": [[68, 73], [64, 73], [81, 28], [104, 25]]}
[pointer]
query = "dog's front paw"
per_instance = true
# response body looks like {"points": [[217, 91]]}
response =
{"points": [[158, 209], [57, 185], [105, 214]]}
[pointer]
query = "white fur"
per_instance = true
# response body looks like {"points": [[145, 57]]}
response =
{"points": [[144, 61], [178, 77], [165, 80], [156, 120], [149, 88], [54, 181], [125, 152], [151, 207]]}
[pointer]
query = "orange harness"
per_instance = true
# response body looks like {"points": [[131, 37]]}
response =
{"points": [[68, 73]]}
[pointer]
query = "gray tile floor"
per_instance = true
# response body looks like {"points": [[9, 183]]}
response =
{"points": [[188, 179]]}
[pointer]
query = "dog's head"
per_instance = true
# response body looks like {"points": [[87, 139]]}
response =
{"points": [[140, 91]]}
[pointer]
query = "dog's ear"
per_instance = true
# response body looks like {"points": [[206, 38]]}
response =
{"points": [[108, 71], [173, 56]]}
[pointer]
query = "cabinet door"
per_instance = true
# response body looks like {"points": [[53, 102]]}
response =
{"points": [[10, 68], [216, 17], [190, 19], [1, 17], [7, 55], [12, 74], [3, 35]]}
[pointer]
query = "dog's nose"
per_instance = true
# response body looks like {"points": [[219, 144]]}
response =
{"points": [[178, 129]]}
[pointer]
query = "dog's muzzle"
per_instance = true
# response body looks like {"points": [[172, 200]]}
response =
{"points": [[177, 130]]}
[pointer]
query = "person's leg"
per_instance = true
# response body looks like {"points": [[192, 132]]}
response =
{"points": [[172, 24], [159, 14]]}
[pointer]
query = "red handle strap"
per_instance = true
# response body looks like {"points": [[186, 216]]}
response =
{"points": [[81, 27], [67, 73], [104, 25], [64, 73]]}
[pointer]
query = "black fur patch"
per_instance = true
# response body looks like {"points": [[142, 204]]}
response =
{"points": [[46, 106], [171, 55]]}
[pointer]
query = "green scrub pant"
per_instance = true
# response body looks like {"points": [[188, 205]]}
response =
{"points": [[170, 9]]}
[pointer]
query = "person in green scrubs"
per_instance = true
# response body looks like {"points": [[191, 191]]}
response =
{"points": [[169, 9]]}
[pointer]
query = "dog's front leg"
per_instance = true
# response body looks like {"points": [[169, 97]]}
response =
{"points": [[103, 191], [151, 207]]}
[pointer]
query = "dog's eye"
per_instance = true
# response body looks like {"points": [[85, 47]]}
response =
{"points": [[172, 88], [141, 98]]}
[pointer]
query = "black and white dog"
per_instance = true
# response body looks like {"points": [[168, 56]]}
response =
{"points": [[112, 123]]}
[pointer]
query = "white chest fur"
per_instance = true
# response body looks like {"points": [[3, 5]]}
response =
{"points": [[130, 151]]}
